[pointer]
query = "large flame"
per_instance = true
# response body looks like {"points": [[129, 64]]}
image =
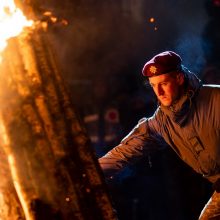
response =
{"points": [[12, 22]]}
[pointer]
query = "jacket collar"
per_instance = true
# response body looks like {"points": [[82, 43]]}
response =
{"points": [[179, 111]]}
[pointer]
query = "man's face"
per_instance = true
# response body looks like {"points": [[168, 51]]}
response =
{"points": [[167, 88]]}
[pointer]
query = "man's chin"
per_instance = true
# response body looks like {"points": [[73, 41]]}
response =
{"points": [[165, 103]]}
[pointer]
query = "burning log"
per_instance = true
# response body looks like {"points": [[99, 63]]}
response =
{"points": [[52, 172], [10, 207]]}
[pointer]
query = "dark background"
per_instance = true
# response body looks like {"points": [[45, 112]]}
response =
{"points": [[111, 40], [114, 39]]}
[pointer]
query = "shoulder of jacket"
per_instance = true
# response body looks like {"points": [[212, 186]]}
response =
{"points": [[209, 89], [158, 114], [157, 120]]}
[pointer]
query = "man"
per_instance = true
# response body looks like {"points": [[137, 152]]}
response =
{"points": [[187, 119]]}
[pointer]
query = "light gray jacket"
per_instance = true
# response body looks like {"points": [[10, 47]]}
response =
{"points": [[191, 127]]}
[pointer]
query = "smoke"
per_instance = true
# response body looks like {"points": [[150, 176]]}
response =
{"points": [[189, 46], [191, 22]]}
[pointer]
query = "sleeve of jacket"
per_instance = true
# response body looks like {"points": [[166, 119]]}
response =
{"points": [[141, 141]]}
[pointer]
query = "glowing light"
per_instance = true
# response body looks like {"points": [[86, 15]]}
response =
{"points": [[151, 20], [12, 22]]}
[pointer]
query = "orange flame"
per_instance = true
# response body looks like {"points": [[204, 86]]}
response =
{"points": [[12, 22]]}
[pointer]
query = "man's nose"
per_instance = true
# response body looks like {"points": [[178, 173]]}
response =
{"points": [[160, 90]]}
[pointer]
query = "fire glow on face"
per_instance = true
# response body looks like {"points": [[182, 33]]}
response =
{"points": [[12, 22]]}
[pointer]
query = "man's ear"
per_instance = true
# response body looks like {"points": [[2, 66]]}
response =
{"points": [[180, 78]]}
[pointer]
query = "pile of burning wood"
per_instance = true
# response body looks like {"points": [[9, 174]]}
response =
{"points": [[47, 168]]}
